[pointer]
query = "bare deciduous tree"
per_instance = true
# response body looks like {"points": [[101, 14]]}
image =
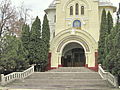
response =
{"points": [[24, 12], [7, 16]]}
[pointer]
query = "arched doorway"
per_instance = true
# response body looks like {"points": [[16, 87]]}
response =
{"points": [[73, 55]]}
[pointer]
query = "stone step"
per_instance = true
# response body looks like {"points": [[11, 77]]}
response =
{"points": [[62, 87], [71, 69], [78, 78], [56, 75], [62, 82]]}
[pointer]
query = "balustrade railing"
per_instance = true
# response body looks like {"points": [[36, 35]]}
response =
{"points": [[5, 79], [108, 76]]}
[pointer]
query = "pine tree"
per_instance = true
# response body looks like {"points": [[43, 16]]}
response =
{"points": [[35, 42], [46, 36], [101, 43]]}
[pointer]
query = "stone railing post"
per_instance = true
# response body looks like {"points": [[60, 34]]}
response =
{"points": [[2, 79], [116, 82]]}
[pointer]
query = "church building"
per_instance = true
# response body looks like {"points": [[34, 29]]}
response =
{"points": [[75, 29]]}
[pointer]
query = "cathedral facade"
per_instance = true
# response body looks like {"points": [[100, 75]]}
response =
{"points": [[74, 29]]}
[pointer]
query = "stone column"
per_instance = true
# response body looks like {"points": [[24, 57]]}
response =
{"points": [[59, 59], [86, 55]]}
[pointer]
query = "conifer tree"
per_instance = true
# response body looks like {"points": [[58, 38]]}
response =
{"points": [[13, 55], [35, 42], [113, 57], [108, 39], [22, 62], [109, 22], [46, 36], [9, 55], [25, 37], [115, 51], [101, 43]]}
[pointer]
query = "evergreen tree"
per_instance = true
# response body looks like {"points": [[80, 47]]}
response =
{"points": [[101, 43], [35, 42], [46, 37], [113, 57], [116, 52], [12, 55], [9, 55], [109, 22], [110, 49], [108, 39], [22, 62], [25, 37]]}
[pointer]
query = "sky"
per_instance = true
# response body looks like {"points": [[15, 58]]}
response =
{"points": [[38, 6]]}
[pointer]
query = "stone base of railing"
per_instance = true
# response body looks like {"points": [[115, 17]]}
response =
{"points": [[5, 79], [108, 76]]}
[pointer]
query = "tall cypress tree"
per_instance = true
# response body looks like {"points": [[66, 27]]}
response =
{"points": [[115, 39], [108, 39], [46, 36], [35, 42], [101, 43], [116, 50], [25, 37], [109, 22]]}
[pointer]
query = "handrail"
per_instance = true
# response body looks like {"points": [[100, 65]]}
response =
{"points": [[108, 76], [5, 79]]}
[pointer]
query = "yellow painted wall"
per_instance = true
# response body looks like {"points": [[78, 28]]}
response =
{"points": [[89, 31], [90, 20]]}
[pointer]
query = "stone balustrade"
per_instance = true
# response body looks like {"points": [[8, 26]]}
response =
{"points": [[5, 79], [108, 76]]}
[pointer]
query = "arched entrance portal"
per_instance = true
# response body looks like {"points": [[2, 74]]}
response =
{"points": [[73, 55]]}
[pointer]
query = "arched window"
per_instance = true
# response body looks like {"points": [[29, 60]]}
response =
{"points": [[77, 9], [55, 19], [82, 10], [71, 10], [77, 24]]}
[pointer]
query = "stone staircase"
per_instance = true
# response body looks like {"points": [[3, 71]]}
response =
{"points": [[65, 78]]}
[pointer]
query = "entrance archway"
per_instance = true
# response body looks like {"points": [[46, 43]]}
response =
{"points": [[73, 55]]}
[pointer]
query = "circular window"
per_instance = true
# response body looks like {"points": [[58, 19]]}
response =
{"points": [[77, 23]]}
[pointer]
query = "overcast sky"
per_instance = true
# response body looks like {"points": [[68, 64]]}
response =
{"points": [[38, 6]]}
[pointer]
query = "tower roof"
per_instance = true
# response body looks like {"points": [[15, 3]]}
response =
{"points": [[105, 3], [53, 4]]}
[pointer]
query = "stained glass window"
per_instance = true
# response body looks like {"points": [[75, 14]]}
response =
{"points": [[76, 23]]}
